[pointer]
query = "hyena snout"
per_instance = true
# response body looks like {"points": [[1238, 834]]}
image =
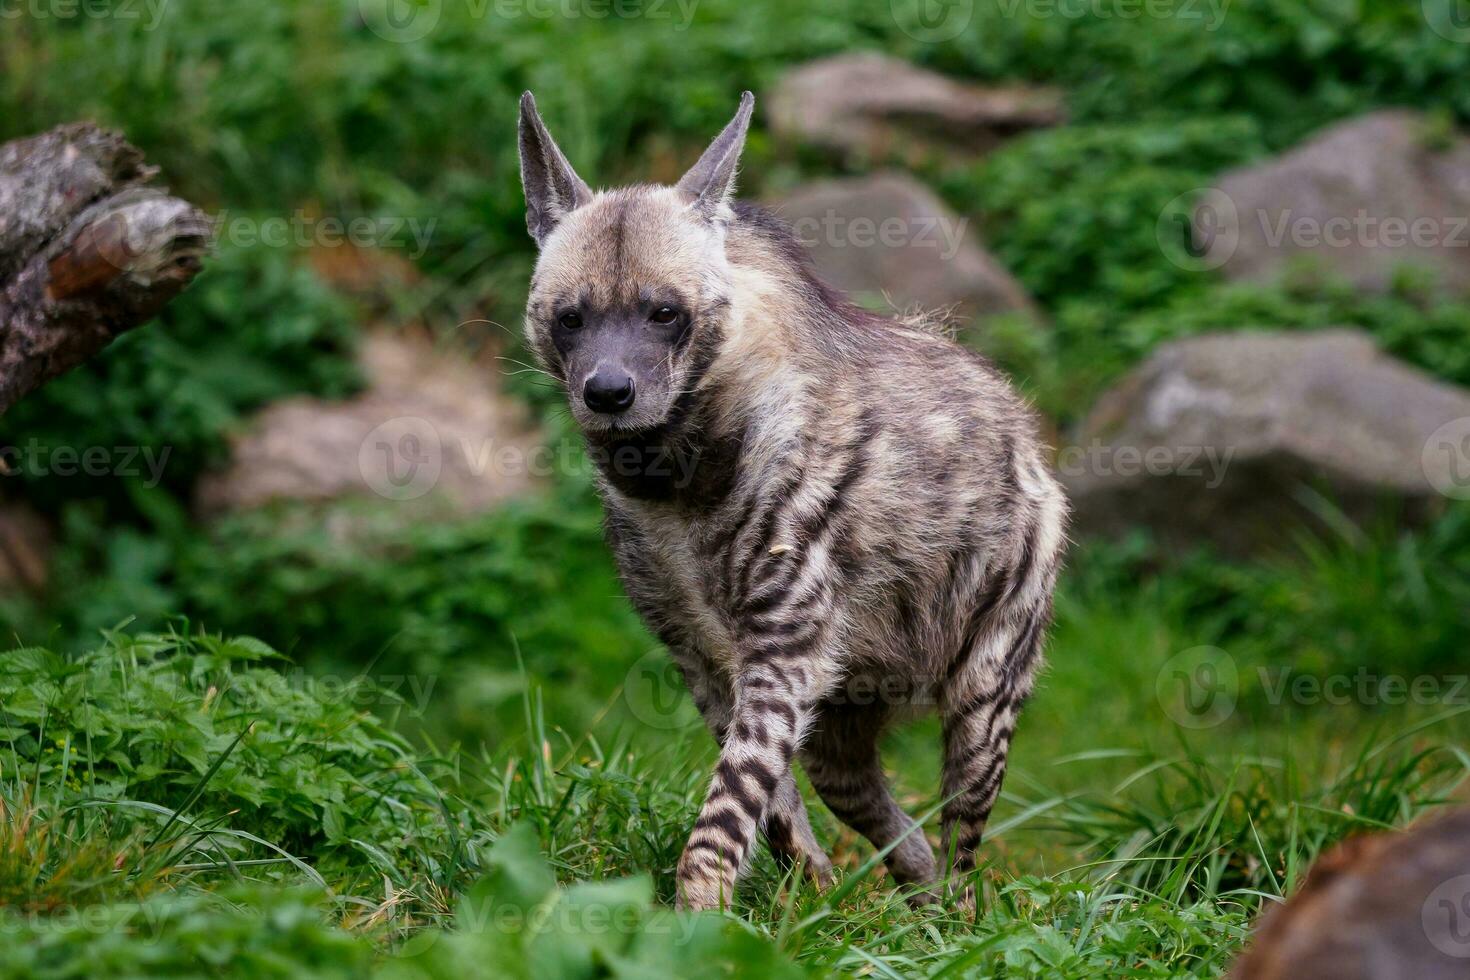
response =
{"points": [[610, 390]]}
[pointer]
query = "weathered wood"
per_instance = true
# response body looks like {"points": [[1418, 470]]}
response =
{"points": [[87, 251]]}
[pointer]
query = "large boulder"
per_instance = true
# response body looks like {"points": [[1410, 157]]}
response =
{"points": [[431, 431], [1360, 201], [889, 241], [1217, 438], [873, 107]]}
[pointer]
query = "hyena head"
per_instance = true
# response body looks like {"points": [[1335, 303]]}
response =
{"points": [[629, 298]]}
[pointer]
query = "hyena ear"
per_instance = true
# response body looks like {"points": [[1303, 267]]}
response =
{"points": [[553, 189], [711, 183]]}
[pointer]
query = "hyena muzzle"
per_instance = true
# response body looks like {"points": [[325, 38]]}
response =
{"points": [[830, 518]]}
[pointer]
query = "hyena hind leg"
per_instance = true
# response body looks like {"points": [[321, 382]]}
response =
{"points": [[788, 832], [841, 760], [979, 709]]}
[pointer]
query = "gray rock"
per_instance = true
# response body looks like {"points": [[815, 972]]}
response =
{"points": [[1228, 438], [877, 108], [1359, 201], [890, 243], [432, 432]]}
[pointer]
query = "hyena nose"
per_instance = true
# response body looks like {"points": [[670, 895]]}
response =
{"points": [[609, 390]]}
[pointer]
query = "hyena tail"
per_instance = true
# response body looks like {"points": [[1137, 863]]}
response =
{"points": [[989, 684]]}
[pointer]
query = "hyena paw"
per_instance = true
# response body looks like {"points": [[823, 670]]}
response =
{"points": [[817, 868], [813, 868], [924, 897], [962, 899], [700, 895], [702, 887]]}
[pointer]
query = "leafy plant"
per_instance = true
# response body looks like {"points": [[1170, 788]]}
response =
{"points": [[192, 740], [1078, 211], [242, 929]]}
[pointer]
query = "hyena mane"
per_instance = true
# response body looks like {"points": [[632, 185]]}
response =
{"points": [[831, 518]]}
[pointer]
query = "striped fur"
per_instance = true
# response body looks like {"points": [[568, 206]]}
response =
{"points": [[870, 528]]}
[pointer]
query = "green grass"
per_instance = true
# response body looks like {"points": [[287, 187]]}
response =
{"points": [[226, 815], [233, 809]]}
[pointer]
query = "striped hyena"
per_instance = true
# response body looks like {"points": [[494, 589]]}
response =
{"points": [[862, 521]]}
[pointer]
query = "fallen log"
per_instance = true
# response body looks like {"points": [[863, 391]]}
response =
{"points": [[88, 251]]}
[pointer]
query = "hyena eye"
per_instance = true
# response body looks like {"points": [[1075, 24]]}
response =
{"points": [[665, 315], [572, 321]]}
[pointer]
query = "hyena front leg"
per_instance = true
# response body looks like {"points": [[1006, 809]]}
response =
{"points": [[774, 692], [841, 759], [787, 827], [979, 708]]}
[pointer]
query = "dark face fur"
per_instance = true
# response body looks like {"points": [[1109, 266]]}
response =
{"points": [[611, 354], [628, 298]]}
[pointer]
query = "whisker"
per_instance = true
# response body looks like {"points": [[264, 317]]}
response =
{"points": [[492, 323]]}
